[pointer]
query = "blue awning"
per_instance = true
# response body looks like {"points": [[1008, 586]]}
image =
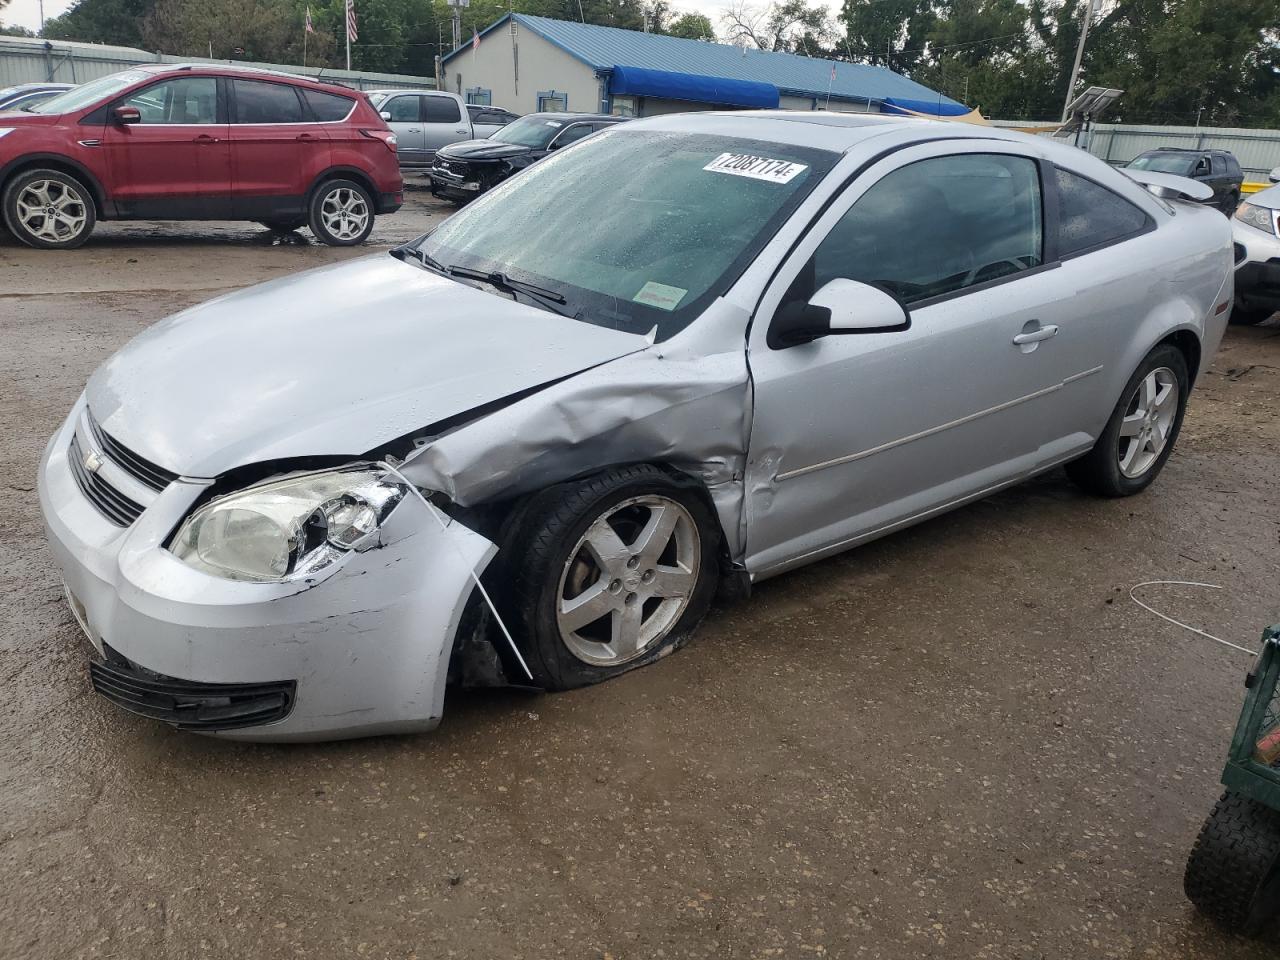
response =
{"points": [[924, 106], [642, 82]]}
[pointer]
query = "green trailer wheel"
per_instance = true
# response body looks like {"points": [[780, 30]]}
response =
{"points": [[1232, 874]]}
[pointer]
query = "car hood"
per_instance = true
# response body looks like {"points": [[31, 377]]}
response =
{"points": [[1269, 198], [482, 150], [331, 362]]}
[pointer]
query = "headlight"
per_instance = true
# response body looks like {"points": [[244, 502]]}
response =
{"points": [[291, 528], [1264, 218]]}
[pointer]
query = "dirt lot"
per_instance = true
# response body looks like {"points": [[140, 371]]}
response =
{"points": [[962, 741]]}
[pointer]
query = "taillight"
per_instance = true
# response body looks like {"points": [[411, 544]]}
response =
{"points": [[386, 136]]}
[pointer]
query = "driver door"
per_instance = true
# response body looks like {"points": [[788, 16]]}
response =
{"points": [[856, 434], [176, 161]]}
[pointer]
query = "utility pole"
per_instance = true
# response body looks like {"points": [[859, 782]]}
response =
{"points": [[1075, 70]]}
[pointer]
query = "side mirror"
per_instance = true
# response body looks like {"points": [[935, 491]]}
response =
{"points": [[554, 145], [1274, 175], [840, 307], [385, 115], [127, 115]]}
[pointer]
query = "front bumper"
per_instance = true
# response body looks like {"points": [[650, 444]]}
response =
{"points": [[362, 649], [1257, 257]]}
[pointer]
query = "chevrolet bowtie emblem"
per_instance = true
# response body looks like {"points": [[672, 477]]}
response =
{"points": [[93, 461]]}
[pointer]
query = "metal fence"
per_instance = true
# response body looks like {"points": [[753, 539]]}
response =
{"points": [[1257, 150], [31, 60]]}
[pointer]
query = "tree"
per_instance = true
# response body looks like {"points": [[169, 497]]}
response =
{"points": [[887, 33], [788, 25], [692, 26], [101, 21]]}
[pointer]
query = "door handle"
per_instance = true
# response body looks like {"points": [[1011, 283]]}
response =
{"points": [[413, 130], [460, 131], [304, 137], [204, 138], [1036, 335]]}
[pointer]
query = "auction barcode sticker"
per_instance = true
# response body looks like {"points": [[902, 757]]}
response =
{"points": [[757, 168]]}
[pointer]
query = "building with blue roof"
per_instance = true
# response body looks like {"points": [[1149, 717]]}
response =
{"points": [[530, 64]]}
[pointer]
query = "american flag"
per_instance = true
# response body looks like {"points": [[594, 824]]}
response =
{"points": [[475, 40], [310, 28], [351, 21]]}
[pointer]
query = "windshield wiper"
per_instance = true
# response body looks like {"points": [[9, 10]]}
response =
{"points": [[422, 257], [500, 280]]}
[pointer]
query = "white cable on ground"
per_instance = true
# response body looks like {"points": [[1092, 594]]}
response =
{"points": [[1179, 623]]}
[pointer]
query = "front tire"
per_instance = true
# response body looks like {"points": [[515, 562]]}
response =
{"points": [[1143, 428], [48, 209], [612, 572], [1232, 874], [341, 213]]}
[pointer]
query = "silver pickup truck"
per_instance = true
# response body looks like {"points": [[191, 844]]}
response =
{"points": [[426, 120]]}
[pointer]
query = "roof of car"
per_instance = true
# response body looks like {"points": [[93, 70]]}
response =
{"points": [[1189, 150], [572, 117], [239, 69]]}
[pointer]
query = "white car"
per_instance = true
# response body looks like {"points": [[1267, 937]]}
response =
{"points": [[681, 356], [1256, 232]]}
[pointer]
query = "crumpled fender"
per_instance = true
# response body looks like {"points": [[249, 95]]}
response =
{"points": [[663, 404]]}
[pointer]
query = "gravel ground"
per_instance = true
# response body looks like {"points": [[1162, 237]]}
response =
{"points": [[962, 741]]}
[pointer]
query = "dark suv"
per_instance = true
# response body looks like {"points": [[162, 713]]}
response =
{"points": [[197, 142], [1218, 169]]}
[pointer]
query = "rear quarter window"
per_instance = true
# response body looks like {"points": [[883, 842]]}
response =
{"points": [[327, 107], [1090, 216]]}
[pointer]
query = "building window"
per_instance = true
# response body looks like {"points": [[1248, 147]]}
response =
{"points": [[549, 101], [624, 107], [481, 96]]}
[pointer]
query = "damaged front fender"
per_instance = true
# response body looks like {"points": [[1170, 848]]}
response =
{"points": [[670, 404]]}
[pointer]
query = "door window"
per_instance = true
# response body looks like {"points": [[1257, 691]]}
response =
{"points": [[938, 226], [186, 100], [260, 102], [327, 107], [572, 134], [1091, 216], [440, 110], [402, 109]]}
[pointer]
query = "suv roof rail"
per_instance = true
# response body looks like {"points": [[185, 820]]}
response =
{"points": [[238, 68]]}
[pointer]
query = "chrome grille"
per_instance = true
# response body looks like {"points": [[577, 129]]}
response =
{"points": [[111, 503], [144, 471]]}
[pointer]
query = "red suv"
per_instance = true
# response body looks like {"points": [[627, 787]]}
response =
{"points": [[197, 142]]}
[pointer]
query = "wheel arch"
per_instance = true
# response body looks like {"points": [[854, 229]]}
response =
{"points": [[343, 173], [54, 161], [1187, 342]]}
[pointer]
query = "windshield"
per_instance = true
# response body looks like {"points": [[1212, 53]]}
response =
{"points": [[531, 131], [87, 94], [635, 230], [1175, 163]]}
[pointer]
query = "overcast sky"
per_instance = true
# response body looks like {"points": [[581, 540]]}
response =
{"points": [[26, 13]]}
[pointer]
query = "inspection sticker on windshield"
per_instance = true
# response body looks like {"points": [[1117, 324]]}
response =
{"points": [[660, 295], [757, 168]]}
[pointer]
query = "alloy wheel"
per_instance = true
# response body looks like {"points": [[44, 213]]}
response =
{"points": [[628, 580], [1148, 422], [52, 210], [345, 213]]}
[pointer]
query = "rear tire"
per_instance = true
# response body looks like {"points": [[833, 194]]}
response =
{"points": [[649, 599], [1232, 875], [48, 209], [341, 213], [1142, 431]]}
